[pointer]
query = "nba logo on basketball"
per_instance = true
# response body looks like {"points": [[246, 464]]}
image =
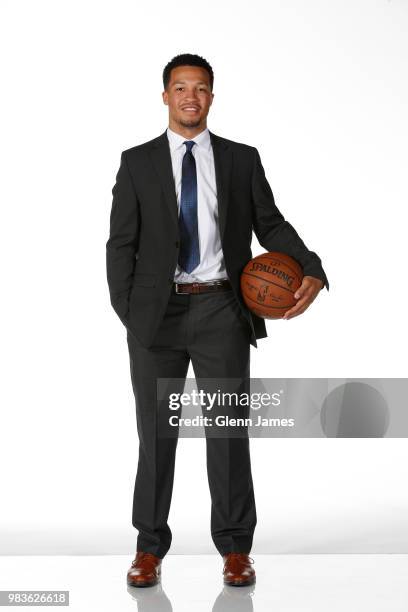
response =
{"points": [[263, 290]]}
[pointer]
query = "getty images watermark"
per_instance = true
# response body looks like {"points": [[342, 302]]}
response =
{"points": [[277, 407], [224, 400]]}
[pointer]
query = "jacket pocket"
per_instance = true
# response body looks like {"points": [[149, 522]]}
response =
{"points": [[141, 279]]}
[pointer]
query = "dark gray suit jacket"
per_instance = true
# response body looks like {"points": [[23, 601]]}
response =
{"points": [[143, 245]]}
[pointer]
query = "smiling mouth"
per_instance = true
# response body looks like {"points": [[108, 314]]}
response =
{"points": [[190, 109]]}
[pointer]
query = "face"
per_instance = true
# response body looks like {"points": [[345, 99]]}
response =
{"points": [[189, 97]]}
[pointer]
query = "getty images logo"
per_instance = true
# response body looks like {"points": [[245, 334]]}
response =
{"points": [[210, 400]]}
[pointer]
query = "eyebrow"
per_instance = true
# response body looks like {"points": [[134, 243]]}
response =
{"points": [[183, 83]]}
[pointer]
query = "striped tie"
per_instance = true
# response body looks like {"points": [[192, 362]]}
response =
{"points": [[189, 255]]}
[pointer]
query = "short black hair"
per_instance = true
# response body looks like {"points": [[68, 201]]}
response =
{"points": [[187, 59]]}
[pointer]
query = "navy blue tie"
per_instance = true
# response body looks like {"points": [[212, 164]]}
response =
{"points": [[189, 255]]}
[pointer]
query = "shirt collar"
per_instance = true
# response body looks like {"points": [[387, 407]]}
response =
{"points": [[176, 140]]}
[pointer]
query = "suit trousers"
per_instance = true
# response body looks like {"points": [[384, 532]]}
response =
{"points": [[210, 330]]}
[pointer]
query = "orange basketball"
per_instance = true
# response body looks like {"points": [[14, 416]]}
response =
{"points": [[268, 283]]}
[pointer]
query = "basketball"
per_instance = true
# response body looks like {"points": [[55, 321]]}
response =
{"points": [[268, 284]]}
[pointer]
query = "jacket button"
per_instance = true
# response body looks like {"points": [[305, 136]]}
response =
{"points": [[170, 281]]}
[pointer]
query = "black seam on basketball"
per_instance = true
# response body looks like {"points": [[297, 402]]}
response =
{"points": [[269, 282], [266, 305], [282, 262]]}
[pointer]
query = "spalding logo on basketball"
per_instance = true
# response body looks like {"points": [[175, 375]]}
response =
{"points": [[268, 283]]}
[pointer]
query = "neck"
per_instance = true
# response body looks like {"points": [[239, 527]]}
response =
{"points": [[187, 132]]}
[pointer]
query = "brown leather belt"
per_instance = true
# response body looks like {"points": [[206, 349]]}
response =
{"points": [[205, 287]]}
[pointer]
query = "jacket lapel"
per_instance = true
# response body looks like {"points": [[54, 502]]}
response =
{"points": [[161, 159], [223, 165]]}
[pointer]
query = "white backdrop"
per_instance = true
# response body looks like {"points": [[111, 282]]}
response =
{"points": [[320, 89]]}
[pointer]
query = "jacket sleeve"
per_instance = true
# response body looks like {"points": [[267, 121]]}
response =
{"points": [[122, 245], [273, 232]]}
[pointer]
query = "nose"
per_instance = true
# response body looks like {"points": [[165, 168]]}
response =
{"points": [[191, 97]]}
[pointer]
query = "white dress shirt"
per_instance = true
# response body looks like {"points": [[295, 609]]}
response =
{"points": [[212, 265]]}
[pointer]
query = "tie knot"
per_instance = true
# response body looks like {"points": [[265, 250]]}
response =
{"points": [[189, 144]]}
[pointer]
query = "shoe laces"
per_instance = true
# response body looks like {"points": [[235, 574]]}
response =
{"points": [[237, 558], [143, 557]]}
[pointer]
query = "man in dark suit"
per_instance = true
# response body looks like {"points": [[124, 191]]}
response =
{"points": [[184, 208]]}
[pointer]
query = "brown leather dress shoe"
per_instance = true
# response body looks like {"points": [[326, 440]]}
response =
{"points": [[237, 569], [145, 570]]}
